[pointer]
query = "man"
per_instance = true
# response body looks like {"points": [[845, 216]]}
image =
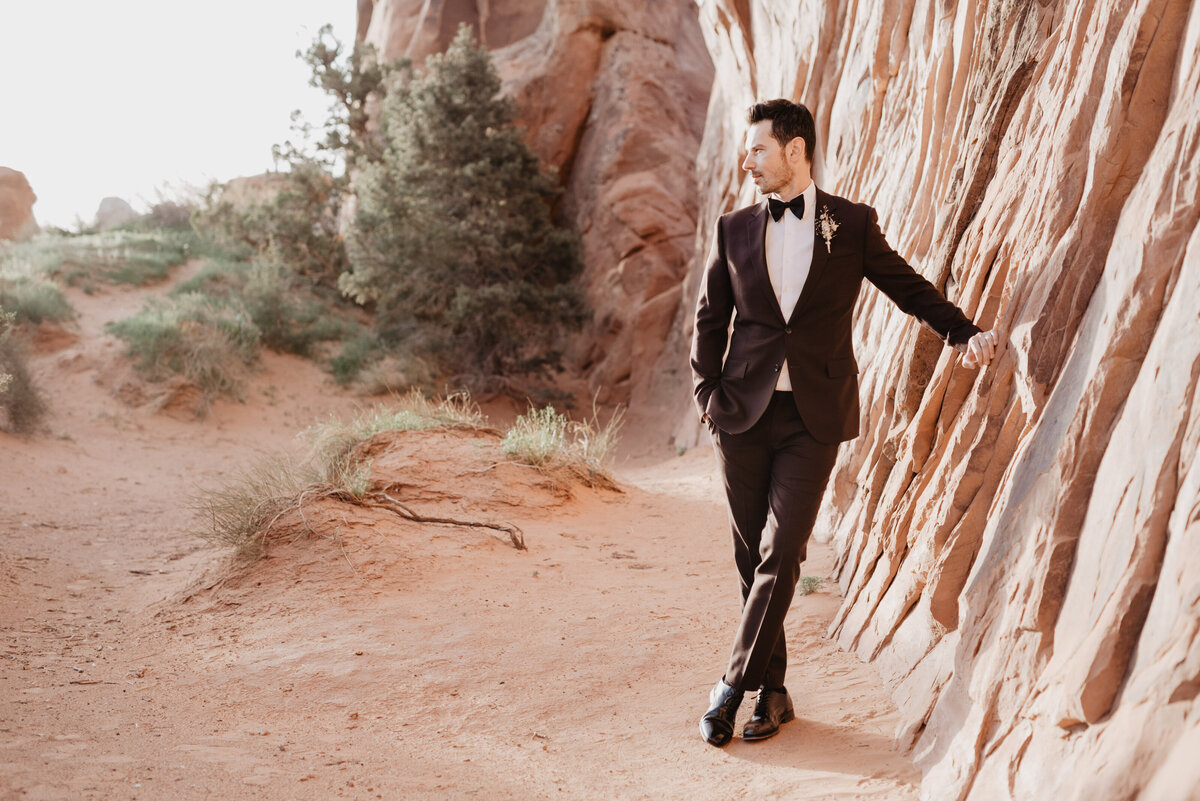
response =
{"points": [[785, 393]]}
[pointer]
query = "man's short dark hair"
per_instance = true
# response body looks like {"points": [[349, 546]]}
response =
{"points": [[788, 121]]}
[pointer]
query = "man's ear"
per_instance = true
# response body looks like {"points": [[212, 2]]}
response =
{"points": [[796, 149]]}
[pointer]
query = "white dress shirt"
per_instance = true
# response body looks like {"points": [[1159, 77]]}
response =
{"points": [[789, 249]]}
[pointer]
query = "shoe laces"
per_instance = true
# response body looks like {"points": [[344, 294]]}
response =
{"points": [[761, 707]]}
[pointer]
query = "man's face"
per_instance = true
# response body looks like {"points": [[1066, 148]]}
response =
{"points": [[765, 159]]}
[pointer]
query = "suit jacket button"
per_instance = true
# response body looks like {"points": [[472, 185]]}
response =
{"points": [[787, 331], [777, 368]]}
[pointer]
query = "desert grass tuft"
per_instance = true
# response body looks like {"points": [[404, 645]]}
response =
{"points": [[548, 440], [808, 585], [240, 513], [334, 442]]}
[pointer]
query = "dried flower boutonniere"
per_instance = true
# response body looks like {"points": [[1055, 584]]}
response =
{"points": [[828, 227]]}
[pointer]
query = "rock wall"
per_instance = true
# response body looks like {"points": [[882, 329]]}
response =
{"points": [[1018, 547], [613, 94], [16, 205]]}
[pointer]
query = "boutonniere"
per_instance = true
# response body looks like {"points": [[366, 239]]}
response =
{"points": [[828, 227]]}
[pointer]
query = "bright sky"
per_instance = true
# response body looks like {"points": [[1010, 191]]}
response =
{"points": [[123, 97]]}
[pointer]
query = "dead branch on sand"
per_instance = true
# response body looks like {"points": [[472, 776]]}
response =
{"points": [[381, 500], [515, 535]]}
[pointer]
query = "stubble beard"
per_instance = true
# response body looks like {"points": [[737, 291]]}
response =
{"points": [[783, 179]]}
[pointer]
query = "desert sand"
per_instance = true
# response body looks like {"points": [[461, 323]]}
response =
{"points": [[375, 657]]}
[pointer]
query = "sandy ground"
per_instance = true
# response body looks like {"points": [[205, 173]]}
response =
{"points": [[395, 660]]}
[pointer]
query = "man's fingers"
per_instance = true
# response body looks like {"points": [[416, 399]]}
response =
{"points": [[981, 349]]}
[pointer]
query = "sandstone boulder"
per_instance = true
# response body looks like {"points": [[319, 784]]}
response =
{"points": [[113, 211], [16, 206], [249, 190]]}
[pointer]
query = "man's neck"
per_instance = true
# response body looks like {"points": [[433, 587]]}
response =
{"points": [[797, 187]]}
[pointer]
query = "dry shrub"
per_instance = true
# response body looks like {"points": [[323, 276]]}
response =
{"points": [[808, 585], [549, 441], [241, 513], [21, 403]]}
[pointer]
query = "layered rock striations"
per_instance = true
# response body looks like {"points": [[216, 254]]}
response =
{"points": [[1018, 547], [613, 95]]}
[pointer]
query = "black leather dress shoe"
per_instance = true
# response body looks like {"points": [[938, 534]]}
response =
{"points": [[772, 709], [716, 727]]}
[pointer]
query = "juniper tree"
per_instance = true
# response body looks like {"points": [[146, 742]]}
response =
{"points": [[453, 240]]}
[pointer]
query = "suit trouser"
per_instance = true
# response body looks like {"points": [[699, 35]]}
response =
{"points": [[775, 475]]}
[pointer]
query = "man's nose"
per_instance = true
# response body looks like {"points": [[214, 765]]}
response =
{"points": [[747, 164]]}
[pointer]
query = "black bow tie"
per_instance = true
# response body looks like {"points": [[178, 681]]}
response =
{"points": [[778, 207]]}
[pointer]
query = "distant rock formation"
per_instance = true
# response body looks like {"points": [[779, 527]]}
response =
{"points": [[113, 211], [1018, 546], [251, 190], [613, 95], [16, 206]]}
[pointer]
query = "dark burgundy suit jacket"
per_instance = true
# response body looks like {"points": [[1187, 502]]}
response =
{"points": [[733, 389]]}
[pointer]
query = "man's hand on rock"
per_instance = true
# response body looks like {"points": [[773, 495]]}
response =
{"points": [[981, 349]]}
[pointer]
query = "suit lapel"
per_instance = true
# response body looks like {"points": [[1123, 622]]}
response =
{"points": [[820, 254], [756, 256]]}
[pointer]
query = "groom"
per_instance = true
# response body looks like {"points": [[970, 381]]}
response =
{"points": [[781, 391]]}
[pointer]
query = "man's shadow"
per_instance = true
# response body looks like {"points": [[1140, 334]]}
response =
{"points": [[819, 746]]}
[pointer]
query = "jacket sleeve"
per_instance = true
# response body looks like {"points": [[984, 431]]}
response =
{"points": [[710, 332], [887, 270]]}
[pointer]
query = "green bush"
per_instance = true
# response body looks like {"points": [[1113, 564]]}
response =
{"points": [[356, 354], [34, 300], [287, 322], [25, 290], [452, 241], [224, 279], [207, 342], [21, 404], [808, 585], [300, 223], [287, 318]]}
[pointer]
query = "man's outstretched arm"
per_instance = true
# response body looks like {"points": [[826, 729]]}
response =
{"points": [[908, 289]]}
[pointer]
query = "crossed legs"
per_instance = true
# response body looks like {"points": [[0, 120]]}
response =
{"points": [[775, 476]]}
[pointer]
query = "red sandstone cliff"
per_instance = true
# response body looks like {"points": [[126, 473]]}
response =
{"points": [[613, 94]]}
